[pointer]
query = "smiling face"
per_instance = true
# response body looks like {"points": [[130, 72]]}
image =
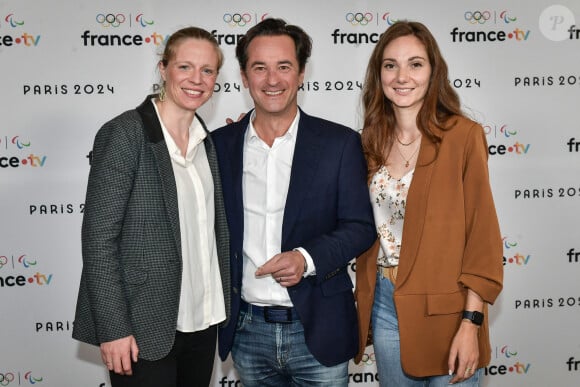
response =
{"points": [[272, 76], [405, 72], [190, 74]]}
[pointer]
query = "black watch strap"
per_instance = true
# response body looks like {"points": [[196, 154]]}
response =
{"points": [[474, 316]]}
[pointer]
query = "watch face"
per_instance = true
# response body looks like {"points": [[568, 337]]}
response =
{"points": [[477, 318]]}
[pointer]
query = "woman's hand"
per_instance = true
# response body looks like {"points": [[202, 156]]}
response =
{"points": [[464, 354]]}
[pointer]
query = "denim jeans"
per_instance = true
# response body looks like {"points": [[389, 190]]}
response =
{"points": [[275, 354], [387, 347]]}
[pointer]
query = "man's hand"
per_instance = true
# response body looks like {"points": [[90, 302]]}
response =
{"points": [[287, 268], [231, 121], [117, 355]]}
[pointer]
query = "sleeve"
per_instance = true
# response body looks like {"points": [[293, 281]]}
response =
{"points": [[482, 267], [354, 231], [114, 163]]}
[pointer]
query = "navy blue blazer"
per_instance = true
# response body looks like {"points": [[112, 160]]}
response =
{"points": [[327, 212]]}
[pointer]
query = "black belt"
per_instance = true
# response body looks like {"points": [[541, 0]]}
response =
{"points": [[272, 314]]}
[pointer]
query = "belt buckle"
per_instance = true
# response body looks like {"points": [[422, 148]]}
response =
{"points": [[273, 314]]}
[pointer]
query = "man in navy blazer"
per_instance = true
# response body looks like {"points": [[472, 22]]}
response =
{"points": [[298, 211]]}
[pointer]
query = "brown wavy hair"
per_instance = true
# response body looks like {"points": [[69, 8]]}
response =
{"points": [[441, 101]]}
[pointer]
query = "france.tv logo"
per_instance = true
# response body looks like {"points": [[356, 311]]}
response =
{"points": [[504, 133], [507, 362], [19, 144], [23, 39], [511, 256]]}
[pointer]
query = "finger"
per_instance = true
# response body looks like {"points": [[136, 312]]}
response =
{"points": [[134, 351], [229, 121], [126, 364], [270, 267], [117, 365]]}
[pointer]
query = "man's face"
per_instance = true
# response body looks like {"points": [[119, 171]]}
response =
{"points": [[272, 76]]}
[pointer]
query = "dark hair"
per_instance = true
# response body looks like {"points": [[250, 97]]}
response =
{"points": [[276, 27], [187, 33], [441, 101]]}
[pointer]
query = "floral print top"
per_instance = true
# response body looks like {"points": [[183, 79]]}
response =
{"points": [[389, 198]]}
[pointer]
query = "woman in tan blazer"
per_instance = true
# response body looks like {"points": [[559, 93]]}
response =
{"points": [[437, 263]]}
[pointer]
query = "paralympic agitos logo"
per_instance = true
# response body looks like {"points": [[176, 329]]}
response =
{"points": [[114, 23]]}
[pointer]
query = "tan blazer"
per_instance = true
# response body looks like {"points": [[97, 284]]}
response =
{"points": [[451, 242]]}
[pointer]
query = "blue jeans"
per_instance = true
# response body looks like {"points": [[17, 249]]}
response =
{"points": [[275, 354], [387, 346]]}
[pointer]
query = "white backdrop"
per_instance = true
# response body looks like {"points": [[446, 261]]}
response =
{"points": [[514, 64]]}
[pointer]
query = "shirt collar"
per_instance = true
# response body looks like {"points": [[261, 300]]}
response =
{"points": [[252, 135], [196, 135]]}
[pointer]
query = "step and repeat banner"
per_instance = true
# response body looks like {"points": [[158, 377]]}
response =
{"points": [[69, 66]]}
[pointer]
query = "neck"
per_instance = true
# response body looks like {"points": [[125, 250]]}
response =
{"points": [[270, 126], [176, 120]]}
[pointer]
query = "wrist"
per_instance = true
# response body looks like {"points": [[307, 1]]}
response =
{"points": [[473, 317]]}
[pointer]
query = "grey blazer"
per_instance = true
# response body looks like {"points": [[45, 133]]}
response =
{"points": [[131, 245]]}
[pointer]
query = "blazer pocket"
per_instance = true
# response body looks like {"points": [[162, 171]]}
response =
{"points": [[135, 276], [438, 304], [337, 284]]}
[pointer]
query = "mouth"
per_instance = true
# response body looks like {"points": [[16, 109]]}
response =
{"points": [[273, 93], [193, 93], [403, 91]]}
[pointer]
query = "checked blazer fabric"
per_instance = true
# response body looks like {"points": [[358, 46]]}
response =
{"points": [[131, 245]]}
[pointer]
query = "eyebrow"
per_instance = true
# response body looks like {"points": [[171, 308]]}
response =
{"points": [[286, 62], [410, 59]]}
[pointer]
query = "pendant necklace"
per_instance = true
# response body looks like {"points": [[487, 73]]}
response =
{"points": [[411, 157]]}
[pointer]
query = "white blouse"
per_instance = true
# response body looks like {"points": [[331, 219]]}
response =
{"points": [[389, 198]]}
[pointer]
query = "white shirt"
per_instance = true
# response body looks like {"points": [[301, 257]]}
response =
{"points": [[265, 181], [202, 301]]}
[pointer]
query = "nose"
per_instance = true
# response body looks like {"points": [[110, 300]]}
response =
{"points": [[272, 76], [402, 75], [196, 77]]}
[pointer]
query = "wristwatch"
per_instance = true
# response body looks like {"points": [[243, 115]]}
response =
{"points": [[474, 317]]}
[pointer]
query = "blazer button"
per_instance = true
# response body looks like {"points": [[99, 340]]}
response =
{"points": [[235, 255], [235, 290]]}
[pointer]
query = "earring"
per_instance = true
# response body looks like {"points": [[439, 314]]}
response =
{"points": [[162, 93]]}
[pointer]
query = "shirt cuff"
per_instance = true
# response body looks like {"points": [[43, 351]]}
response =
{"points": [[311, 268]]}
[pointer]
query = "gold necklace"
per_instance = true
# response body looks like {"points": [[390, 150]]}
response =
{"points": [[407, 144], [410, 158]]}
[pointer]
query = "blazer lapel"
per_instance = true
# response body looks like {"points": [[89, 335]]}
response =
{"points": [[155, 139], [415, 212], [304, 166]]}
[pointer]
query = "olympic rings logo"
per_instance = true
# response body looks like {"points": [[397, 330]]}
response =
{"points": [[237, 19], [6, 379], [359, 18], [477, 16], [110, 20], [368, 359], [482, 17]]}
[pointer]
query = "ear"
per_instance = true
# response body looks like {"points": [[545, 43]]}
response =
{"points": [[162, 69], [244, 78], [301, 77]]}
